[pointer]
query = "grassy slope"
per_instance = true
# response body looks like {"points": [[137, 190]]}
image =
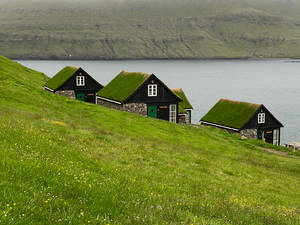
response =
{"points": [[150, 29], [75, 163]]}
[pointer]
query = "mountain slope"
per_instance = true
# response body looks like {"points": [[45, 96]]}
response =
{"points": [[149, 29], [64, 161]]}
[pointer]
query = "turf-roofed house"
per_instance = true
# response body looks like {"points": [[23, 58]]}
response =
{"points": [[253, 121], [184, 108], [75, 83], [140, 93]]}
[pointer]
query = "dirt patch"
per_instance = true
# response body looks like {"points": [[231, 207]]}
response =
{"points": [[279, 153]]}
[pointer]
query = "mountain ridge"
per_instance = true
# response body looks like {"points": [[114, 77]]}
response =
{"points": [[144, 30]]}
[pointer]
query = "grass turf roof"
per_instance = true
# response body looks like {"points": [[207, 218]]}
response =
{"points": [[61, 77], [230, 113], [185, 104], [181, 110], [123, 85]]}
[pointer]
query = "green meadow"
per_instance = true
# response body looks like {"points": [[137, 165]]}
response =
{"points": [[68, 162]]}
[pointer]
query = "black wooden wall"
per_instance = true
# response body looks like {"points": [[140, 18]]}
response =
{"points": [[90, 83], [163, 94], [270, 121]]}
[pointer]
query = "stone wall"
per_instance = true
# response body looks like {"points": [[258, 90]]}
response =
{"points": [[249, 134], [138, 108], [108, 104], [67, 93]]}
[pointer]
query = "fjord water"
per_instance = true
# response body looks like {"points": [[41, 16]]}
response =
{"points": [[274, 83]]}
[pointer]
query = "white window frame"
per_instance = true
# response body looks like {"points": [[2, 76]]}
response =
{"points": [[80, 81], [261, 118], [187, 116], [172, 114], [276, 137], [152, 90]]}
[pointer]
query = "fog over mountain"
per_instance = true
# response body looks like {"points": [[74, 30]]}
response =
{"points": [[114, 29]]}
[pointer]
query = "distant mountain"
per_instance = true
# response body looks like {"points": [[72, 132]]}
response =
{"points": [[136, 29]]}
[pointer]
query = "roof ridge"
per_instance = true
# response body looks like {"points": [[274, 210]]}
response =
{"points": [[250, 103], [73, 67], [176, 89], [130, 72]]}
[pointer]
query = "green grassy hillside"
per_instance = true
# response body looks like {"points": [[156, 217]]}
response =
{"points": [[135, 29], [67, 162]]}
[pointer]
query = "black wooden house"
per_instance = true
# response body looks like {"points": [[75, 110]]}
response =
{"points": [[140, 93], [75, 83], [250, 120]]}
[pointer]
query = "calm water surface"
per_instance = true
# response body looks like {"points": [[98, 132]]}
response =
{"points": [[274, 83]]}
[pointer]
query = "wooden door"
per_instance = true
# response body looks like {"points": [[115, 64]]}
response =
{"points": [[163, 112], [259, 135], [269, 136], [80, 97], [152, 111]]}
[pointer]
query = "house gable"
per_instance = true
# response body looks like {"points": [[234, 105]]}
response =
{"points": [[270, 120], [164, 94], [90, 84], [140, 92]]}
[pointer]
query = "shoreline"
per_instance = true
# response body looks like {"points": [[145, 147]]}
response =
{"points": [[154, 59]]}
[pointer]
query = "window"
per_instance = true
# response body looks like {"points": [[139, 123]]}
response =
{"points": [[276, 137], [80, 81], [173, 113], [261, 118], [152, 90]]}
